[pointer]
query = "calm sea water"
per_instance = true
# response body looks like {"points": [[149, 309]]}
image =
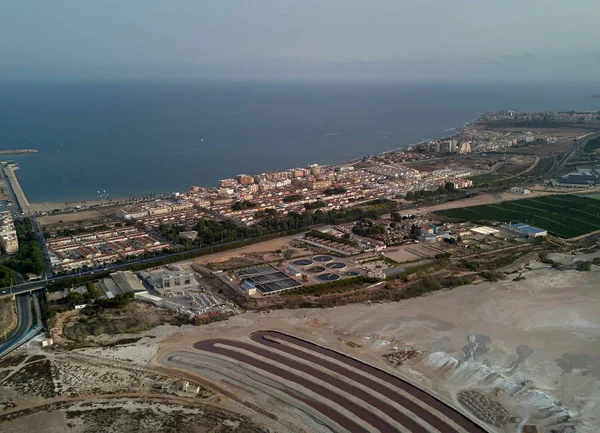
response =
{"points": [[142, 138]]}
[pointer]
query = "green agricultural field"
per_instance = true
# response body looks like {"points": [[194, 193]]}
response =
{"points": [[566, 216]]}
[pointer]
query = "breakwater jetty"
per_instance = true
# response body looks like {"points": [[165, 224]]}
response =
{"points": [[9, 171], [17, 151]]}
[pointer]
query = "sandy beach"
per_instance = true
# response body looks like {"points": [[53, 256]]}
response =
{"points": [[49, 206]]}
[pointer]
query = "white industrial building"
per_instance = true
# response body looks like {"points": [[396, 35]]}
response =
{"points": [[177, 279], [170, 280], [486, 231]]}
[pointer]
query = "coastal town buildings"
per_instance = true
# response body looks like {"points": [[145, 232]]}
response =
{"points": [[544, 116], [153, 209], [473, 140], [325, 187], [100, 248], [8, 235], [246, 198]]}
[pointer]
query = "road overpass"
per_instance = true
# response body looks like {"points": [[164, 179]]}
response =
{"points": [[577, 147], [24, 329], [148, 262], [24, 288]]}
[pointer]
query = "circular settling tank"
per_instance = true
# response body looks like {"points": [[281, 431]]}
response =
{"points": [[322, 259], [328, 276], [336, 265], [351, 274], [302, 262], [316, 269]]}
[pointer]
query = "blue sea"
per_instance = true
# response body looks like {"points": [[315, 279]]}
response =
{"points": [[138, 138]]}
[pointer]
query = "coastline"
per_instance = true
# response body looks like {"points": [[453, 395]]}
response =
{"points": [[75, 205], [145, 155], [9, 172], [81, 204], [49, 206]]}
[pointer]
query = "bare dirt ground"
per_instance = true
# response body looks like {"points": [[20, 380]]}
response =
{"points": [[409, 253], [76, 329], [96, 390], [544, 149], [401, 255], [517, 164], [472, 201], [121, 414], [69, 205], [8, 319], [76, 217], [507, 353], [531, 348], [252, 254]]}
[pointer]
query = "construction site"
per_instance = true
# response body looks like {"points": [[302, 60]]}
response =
{"points": [[180, 289]]}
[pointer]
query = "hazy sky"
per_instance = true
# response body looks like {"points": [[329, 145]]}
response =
{"points": [[386, 39]]}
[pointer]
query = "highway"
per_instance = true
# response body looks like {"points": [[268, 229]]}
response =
{"points": [[578, 146], [23, 322], [41, 284]]}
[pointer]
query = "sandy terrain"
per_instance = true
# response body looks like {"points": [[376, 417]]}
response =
{"points": [[85, 390], [409, 253], [473, 201], [126, 414], [532, 347], [544, 149], [8, 317], [263, 249], [509, 353], [76, 217], [401, 255], [70, 205]]}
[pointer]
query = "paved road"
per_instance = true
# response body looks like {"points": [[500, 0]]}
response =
{"points": [[39, 234], [37, 285], [381, 400], [400, 269], [579, 146], [23, 322]]}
